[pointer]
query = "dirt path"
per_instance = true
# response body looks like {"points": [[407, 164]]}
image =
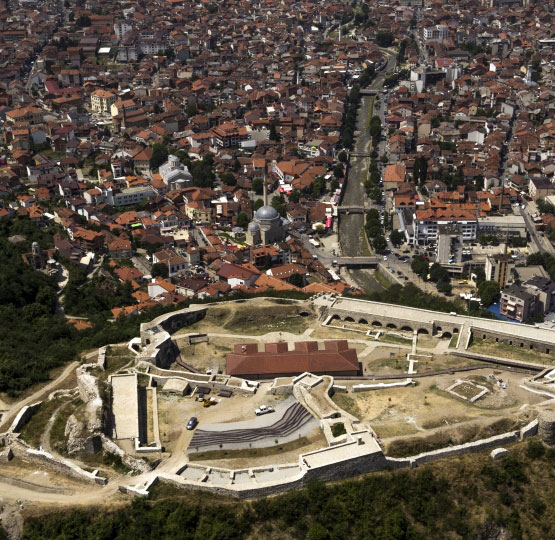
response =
{"points": [[7, 417]]}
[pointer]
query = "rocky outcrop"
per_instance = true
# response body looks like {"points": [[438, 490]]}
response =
{"points": [[79, 441]]}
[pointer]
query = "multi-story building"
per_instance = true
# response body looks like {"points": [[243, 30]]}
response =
{"points": [[102, 101], [426, 223], [534, 297], [439, 32], [227, 135], [498, 268]]}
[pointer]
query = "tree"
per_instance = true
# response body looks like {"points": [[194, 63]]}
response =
{"points": [[438, 273], [294, 196], [375, 127], [334, 185], [191, 109], [228, 179], [444, 286], [317, 531], [338, 170], [159, 269], [159, 154], [420, 266], [258, 186], [379, 243], [480, 276], [278, 202], [296, 279], [489, 292], [376, 194], [84, 21], [242, 219], [259, 203], [384, 39], [396, 237], [274, 135], [342, 156]]}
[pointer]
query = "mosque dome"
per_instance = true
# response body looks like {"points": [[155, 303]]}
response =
{"points": [[266, 213]]}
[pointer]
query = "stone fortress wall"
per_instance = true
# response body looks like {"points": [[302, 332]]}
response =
{"points": [[355, 453]]}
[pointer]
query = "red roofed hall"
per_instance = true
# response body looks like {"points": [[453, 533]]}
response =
{"points": [[336, 358]]}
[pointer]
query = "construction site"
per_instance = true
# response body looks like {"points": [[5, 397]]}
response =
{"points": [[121, 421]]}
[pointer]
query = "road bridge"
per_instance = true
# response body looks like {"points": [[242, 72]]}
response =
{"points": [[352, 209], [360, 154], [357, 262], [368, 92]]}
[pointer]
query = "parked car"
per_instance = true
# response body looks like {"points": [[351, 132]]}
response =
{"points": [[192, 423], [263, 410]]}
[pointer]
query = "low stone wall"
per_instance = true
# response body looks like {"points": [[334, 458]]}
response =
{"points": [[57, 464], [381, 386], [23, 417], [458, 450], [6, 455], [529, 430]]}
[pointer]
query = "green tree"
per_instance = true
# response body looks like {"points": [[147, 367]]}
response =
{"points": [[444, 286], [438, 273], [297, 280], [384, 39], [379, 243], [294, 196], [159, 269], [396, 237], [342, 156], [242, 220], [375, 127], [228, 179], [191, 109], [259, 203], [258, 186], [274, 134], [159, 154], [420, 266], [489, 292], [317, 531], [278, 202]]}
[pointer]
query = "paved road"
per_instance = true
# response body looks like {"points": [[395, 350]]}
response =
{"points": [[351, 225], [541, 242]]}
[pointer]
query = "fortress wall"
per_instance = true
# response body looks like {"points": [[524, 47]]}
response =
{"points": [[23, 417]]}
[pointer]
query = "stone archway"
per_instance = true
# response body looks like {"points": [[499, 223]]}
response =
{"points": [[447, 335], [423, 331], [376, 323], [362, 321], [391, 325], [348, 319], [407, 328]]}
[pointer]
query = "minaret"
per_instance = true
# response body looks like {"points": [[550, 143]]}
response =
{"points": [[265, 191]]}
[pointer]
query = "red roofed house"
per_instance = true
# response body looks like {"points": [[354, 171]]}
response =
{"points": [[278, 361]]}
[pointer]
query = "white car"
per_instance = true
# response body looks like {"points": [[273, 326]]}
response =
{"points": [[263, 410]]}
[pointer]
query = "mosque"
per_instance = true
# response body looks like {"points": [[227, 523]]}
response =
{"points": [[267, 225]]}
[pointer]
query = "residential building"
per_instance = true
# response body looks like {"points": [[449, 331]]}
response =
{"points": [[499, 268]]}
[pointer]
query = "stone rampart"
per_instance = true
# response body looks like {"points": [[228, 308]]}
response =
{"points": [[57, 464], [466, 448], [136, 464], [157, 346], [23, 417]]}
